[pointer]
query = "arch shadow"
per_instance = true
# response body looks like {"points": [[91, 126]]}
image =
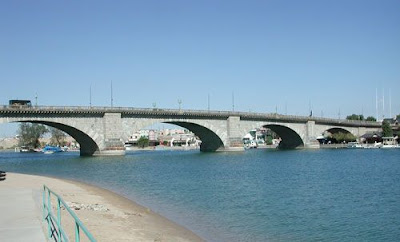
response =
{"points": [[87, 145], [290, 138], [337, 130], [210, 141]]}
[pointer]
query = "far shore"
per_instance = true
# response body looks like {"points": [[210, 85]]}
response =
{"points": [[121, 220]]}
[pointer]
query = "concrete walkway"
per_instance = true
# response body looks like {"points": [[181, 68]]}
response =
{"points": [[20, 215]]}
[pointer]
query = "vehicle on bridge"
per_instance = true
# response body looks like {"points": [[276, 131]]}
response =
{"points": [[20, 103]]}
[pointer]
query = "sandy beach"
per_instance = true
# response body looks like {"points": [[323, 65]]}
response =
{"points": [[114, 218]]}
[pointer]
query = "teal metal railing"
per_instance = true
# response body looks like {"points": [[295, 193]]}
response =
{"points": [[54, 226]]}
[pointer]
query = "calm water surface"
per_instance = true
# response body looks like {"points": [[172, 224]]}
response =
{"points": [[258, 195]]}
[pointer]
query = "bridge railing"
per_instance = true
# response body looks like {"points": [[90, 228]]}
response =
{"points": [[244, 115]]}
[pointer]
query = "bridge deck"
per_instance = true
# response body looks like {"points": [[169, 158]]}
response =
{"points": [[63, 111]]}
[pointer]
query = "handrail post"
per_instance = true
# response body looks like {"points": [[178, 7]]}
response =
{"points": [[44, 202], [77, 237], [48, 212], [59, 218]]}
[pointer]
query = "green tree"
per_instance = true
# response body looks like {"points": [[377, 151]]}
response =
{"points": [[268, 140], [57, 137], [29, 134], [340, 137], [386, 129], [355, 117], [370, 118], [143, 142]]}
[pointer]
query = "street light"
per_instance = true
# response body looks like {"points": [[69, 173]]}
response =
{"points": [[179, 102]]}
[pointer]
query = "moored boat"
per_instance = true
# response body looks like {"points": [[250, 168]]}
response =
{"points": [[48, 149], [354, 145]]}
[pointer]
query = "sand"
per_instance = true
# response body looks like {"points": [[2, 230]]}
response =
{"points": [[108, 216]]}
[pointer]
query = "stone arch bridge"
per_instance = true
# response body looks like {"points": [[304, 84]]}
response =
{"points": [[103, 131]]}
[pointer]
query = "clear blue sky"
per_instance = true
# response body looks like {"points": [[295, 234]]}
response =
{"points": [[289, 55]]}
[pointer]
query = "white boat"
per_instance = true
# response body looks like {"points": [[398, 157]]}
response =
{"points": [[390, 143], [24, 149], [250, 145], [354, 145], [390, 147]]}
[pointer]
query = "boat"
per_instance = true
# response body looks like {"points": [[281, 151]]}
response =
{"points": [[250, 145], [24, 149], [390, 143], [48, 149], [354, 145]]}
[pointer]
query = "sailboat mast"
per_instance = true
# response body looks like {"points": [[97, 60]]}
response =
{"points": [[390, 103], [376, 103], [383, 103]]}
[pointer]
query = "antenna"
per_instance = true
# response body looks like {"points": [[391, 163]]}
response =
{"points": [[36, 99]]}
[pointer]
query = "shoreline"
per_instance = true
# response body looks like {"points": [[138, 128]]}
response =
{"points": [[119, 217]]}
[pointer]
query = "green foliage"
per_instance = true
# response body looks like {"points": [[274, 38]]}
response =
{"points": [[268, 140], [340, 137], [143, 142], [29, 134], [355, 117], [386, 129], [165, 142], [57, 137], [370, 118]]}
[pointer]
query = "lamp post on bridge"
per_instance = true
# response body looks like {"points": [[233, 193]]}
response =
{"points": [[112, 94], [90, 96], [208, 102], [179, 102]]}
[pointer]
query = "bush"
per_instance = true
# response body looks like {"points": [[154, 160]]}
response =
{"points": [[343, 137], [370, 118], [143, 142], [355, 117], [386, 129]]}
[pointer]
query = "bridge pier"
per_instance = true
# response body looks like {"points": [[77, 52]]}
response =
{"points": [[112, 144], [310, 141], [234, 142]]}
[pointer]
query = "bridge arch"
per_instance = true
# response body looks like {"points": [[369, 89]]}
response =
{"points": [[335, 130], [88, 146], [212, 139], [290, 138]]}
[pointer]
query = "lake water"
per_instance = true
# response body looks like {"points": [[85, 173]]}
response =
{"points": [[257, 195]]}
